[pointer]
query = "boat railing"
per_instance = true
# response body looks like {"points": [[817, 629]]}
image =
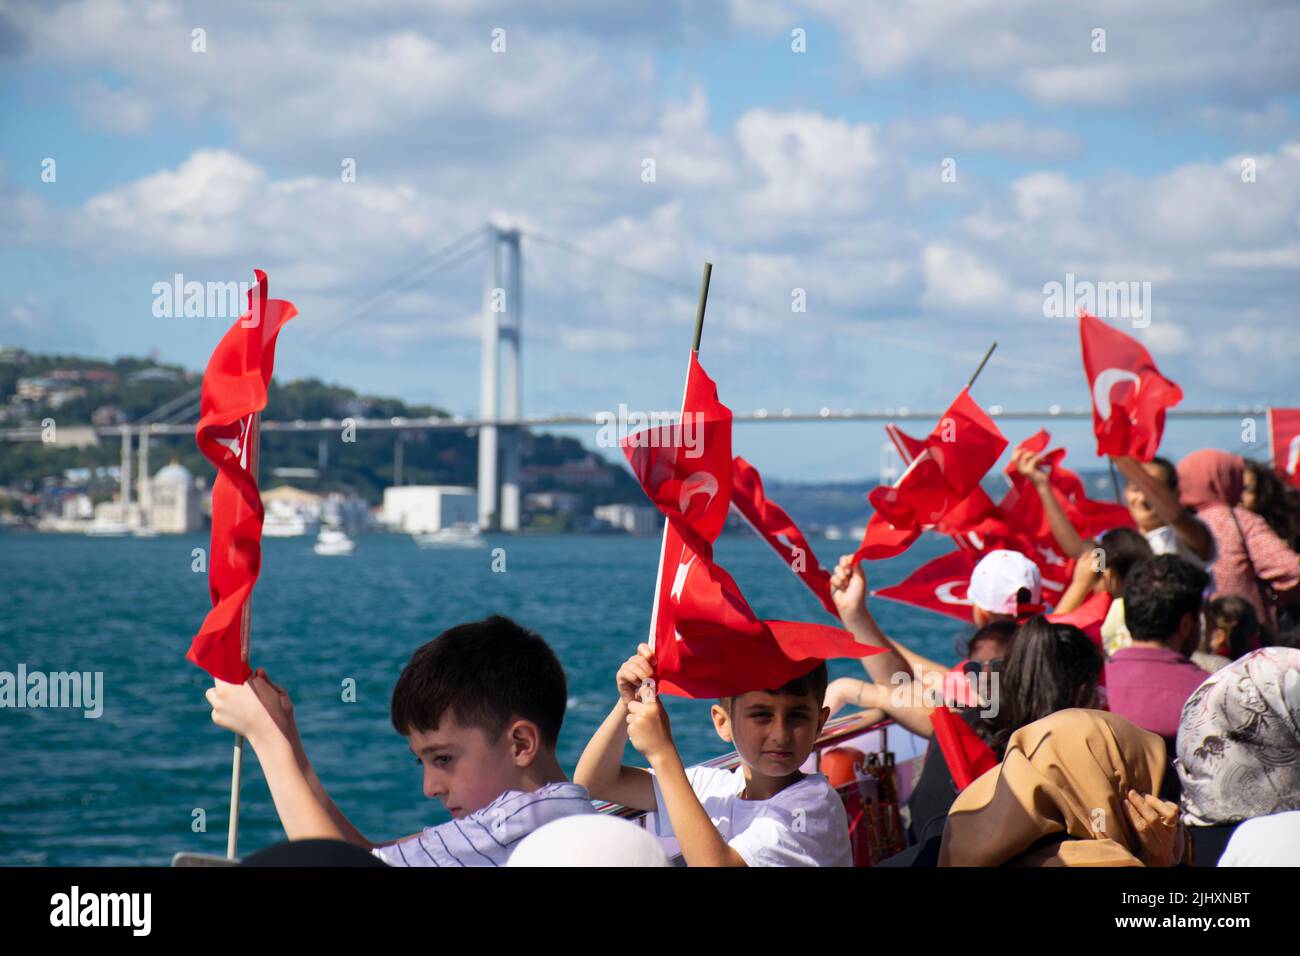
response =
{"points": [[840, 731]]}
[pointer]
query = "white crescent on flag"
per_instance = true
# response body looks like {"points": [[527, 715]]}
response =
{"points": [[237, 444], [699, 483], [679, 579], [1105, 381], [944, 593], [1293, 455]]}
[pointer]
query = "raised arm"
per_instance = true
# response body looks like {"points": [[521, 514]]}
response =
{"points": [[877, 703], [1071, 543], [237, 707], [1165, 503], [278, 704], [600, 768], [701, 843], [1087, 572], [849, 591]]}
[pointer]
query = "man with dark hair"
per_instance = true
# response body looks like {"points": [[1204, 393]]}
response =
{"points": [[480, 706], [1149, 681]]}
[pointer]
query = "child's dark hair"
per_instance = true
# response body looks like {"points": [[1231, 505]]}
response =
{"points": [[484, 674], [1170, 470], [812, 684], [1122, 548], [1052, 667], [1276, 502], [1158, 592], [1000, 631], [1237, 617]]}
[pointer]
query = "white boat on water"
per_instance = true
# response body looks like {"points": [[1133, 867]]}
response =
{"points": [[452, 536], [107, 529], [283, 524], [144, 532], [332, 542]]}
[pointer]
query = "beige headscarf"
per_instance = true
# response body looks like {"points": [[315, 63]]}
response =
{"points": [[1069, 774]]}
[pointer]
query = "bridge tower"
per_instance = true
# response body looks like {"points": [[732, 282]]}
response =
{"points": [[503, 288]]}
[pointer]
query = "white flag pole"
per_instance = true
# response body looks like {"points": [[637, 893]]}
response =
{"points": [[252, 456], [695, 349]]}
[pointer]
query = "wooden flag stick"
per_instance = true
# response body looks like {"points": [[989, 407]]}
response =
{"points": [[983, 362], [252, 452], [704, 301], [1114, 481], [695, 347]]}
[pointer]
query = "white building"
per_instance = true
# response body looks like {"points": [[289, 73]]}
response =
{"points": [[634, 519], [173, 500], [417, 509], [78, 507]]}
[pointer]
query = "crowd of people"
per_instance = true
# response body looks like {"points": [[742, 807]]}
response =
{"points": [[1152, 717]]}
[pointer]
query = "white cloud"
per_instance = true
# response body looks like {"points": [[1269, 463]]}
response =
{"points": [[957, 278], [1161, 50], [1013, 138], [552, 135], [118, 111], [1166, 337]]}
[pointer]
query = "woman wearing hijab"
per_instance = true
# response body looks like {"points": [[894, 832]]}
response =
{"points": [[1253, 562], [1239, 748], [1075, 789]]}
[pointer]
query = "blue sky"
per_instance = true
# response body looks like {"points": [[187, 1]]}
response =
{"points": [[818, 170]]}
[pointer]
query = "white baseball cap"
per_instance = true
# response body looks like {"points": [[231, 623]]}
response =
{"points": [[998, 579], [589, 839]]}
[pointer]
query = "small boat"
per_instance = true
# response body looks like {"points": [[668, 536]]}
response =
{"points": [[452, 536], [107, 529], [283, 524], [144, 532], [332, 542]]}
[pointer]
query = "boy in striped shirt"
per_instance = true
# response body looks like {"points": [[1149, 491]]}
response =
{"points": [[480, 706]]}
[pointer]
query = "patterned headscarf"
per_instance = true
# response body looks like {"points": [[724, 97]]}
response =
{"points": [[1239, 740]]}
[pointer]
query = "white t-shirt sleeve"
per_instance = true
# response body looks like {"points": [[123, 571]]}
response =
{"points": [[709, 785], [1165, 540]]}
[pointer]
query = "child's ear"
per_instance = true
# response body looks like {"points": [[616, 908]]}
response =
{"points": [[525, 742], [822, 718], [721, 722]]}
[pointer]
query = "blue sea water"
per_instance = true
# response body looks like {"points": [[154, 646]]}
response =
{"points": [[123, 789]]}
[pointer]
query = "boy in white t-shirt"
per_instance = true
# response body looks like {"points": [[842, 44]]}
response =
{"points": [[766, 812]]}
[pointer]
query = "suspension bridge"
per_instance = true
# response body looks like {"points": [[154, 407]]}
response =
{"points": [[501, 421]]}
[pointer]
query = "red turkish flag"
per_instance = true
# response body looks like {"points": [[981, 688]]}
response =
{"points": [[1089, 517], [963, 446], [1284, 435], [1129, 395], [908, 447], [1023, 511], [708, 642], [967, 756], [233, 391], [938, 585], [778, 529], [975, 523], [685, 469]]}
